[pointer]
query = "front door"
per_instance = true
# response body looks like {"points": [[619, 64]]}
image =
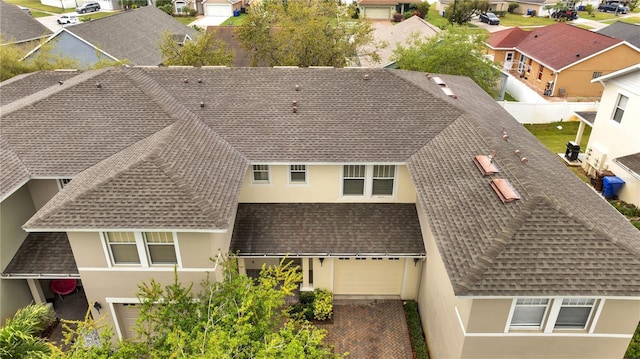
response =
{"points": [[522, 64], [508, 60]]}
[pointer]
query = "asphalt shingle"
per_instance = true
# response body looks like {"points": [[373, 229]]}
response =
{"points": [[17, 26], [43, 254]]}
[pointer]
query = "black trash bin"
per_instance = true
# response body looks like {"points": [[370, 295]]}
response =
{"points": [[573, 149]]}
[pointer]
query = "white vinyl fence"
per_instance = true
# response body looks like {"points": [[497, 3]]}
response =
{"points": [[528, 113]]}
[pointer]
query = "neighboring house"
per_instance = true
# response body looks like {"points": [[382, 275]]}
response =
{"points": [[494, 5], [560, 59], [216, 8], [383, 9], [376, 182], [72, 4], [18, 27], [623, 31], [614, 143], [132, 37], [393, 36]]}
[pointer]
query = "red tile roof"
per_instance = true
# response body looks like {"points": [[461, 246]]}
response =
{"points": [[557, 46], [508, 38]]}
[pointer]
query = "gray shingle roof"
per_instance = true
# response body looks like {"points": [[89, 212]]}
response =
{"points": [[588, 116], [132, 35], [24, 85], [164, 161], [327, 228], [43, 255], [623, 31], [632, 162], [18, 26]]}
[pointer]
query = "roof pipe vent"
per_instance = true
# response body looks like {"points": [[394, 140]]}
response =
{"points": [[199, 81], [517, 153], [99, 85], [366, 76], [60, 83], [295, 102], [295, 109], [297, 87], [447, 91], [524, 160], [186, 81], [201, 103], [505, 137]]}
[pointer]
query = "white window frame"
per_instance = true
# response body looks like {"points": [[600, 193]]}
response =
{"points": [[550, 317], [528, 302], [143, 253], [298, 170], [617, 107], [254, 171], [148, 250], [368, 182], [576, 303]]}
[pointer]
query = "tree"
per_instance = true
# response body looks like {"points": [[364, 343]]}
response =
{"points": [[239, 317], [205, 50], [465, 10], [19, 337], [455, 51], [11, 58], [513, 6], [304, 33]]}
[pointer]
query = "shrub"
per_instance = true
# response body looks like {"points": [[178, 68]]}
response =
{"points": [[323, 304], [513, 6], [307, 297], [633, 351], [168, 8], [407, 14], [415, 329], [193, 12], [500, 13], [160, 3], [422, 9]]}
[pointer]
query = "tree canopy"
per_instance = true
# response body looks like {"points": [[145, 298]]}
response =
{"points": [[238, 317], [205, 50], [11, 58], [303, 33], [465, 10], [455, 51], [19, 336]]}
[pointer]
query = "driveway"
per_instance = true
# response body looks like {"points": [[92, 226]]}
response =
{"points": [[205, 21], [50, 21], [369, 329]]}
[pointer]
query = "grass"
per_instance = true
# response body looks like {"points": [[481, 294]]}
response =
{"points": [[508, 97], [95, 15], [556, 139], [235, 20], [519, 20], [415, 330], [36, 5], [597, 15], [630, 20], [435, 18], [36, 13], [185, 19]]}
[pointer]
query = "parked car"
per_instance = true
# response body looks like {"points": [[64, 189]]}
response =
{"points": [[490, 18], [68, 19], [89, 6], [613, 7]]}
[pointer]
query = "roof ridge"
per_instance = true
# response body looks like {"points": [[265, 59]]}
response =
{"points": [[49, 91], [485, 259]]}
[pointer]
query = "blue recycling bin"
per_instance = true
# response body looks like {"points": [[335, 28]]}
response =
{"points": [[611, 185], [236, 12]]}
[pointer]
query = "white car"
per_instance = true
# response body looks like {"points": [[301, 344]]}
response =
{"points": [[68, 19]]}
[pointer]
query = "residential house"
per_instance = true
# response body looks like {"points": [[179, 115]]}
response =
{"points": [[494, 5], [131, 37], [614, 143], [383, 9], [215, 8], [560, 59], [18, 27], [376, 182], [72, 4], [623, 31], [392, 36]]}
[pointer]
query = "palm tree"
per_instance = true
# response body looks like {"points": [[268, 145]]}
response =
{"points": [[19, 337]]}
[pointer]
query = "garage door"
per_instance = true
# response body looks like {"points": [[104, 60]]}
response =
{"points": [[218, 10], [377, 12], [368, 276], [127, 315]]}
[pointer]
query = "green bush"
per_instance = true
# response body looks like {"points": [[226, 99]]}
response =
{"points": [[168, 8], [627, 209], [415, 330], [323, 304], [500, 13], [633, 351], [160, 3], [407, 14], [513, 6], [307, 297]]}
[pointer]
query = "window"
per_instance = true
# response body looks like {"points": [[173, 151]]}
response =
{"points": [[123, 248], [160, 247], [540, 71], [383, 180], [298, 174], [63, 182], [260, 174], [368, 181], [353, 180], [596, 75], [621, 104], [574, 313], [529, 312]]}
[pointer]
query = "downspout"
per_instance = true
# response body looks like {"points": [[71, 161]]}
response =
{"points": [[555, 82]]}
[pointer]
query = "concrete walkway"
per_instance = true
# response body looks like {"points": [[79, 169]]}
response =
{"points": [[369, 329]]}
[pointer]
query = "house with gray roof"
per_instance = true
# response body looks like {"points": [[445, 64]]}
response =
{"points": [[19, 27], [407, 193], [131, 37], [623, 31]]}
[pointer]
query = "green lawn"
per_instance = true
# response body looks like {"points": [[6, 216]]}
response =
{"points": [[36, 5], [185, 19], [235, 20], [95, 15], [36, 13], [434, 17], [519, 20], [630, 20], [597, 15]]}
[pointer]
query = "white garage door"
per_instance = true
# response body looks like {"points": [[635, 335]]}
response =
{"points": [[368, 276], [218, 10], [377, 12], [127, 315]]}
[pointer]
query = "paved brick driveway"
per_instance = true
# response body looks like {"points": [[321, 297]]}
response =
{"points": [[369, 329]]}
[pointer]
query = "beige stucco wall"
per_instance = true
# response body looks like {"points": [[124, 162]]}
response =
{"points": [[196, 249], [42, 190], [14, 212], [323, 185], [488, 315], [577, 79], [437, 302], [618, 316], [323, 273], [87, 248], [411, 281]]}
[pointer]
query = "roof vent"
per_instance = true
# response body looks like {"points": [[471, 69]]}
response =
{"points": [[60, 83], [485, 164], [504, 190], [297, 87], [295, 109], [447, 91], [366, 76], [99, 85], [201, 103], [295, 102], [199, 81], [186, 81]]}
